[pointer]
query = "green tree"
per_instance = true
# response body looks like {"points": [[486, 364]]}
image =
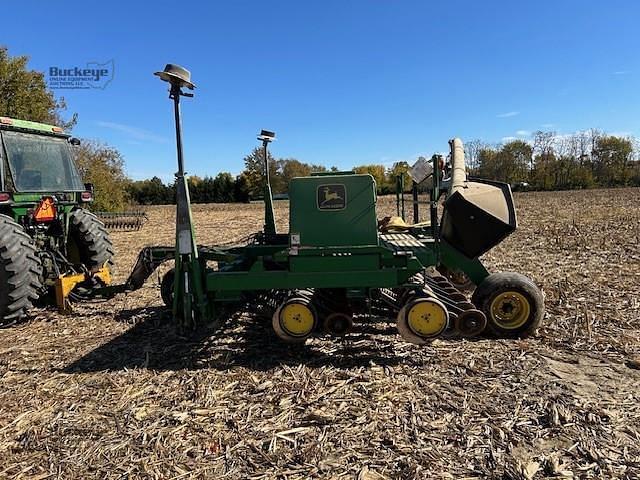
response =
{"points": [[542, 175], [376, 171], [103, 166], [398, 168], [24, 93], [223, 185], [611, 157], [290, 168], [196, 188], [488, 166], [511, 163], [515, 161], [241, 188], [254, 172], [151, 192]]}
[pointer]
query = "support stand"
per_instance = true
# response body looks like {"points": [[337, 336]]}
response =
{"points": [[189, 301]]}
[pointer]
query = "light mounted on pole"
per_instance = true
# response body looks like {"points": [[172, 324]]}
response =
{"points": [[179, 78], [189, 296]]}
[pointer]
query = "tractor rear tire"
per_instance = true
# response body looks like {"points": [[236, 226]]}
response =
{"points": [[89, 242], [20, 272], [167, 286], [513, 304]]}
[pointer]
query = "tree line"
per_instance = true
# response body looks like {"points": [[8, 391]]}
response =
{"points": [[249, 184], [550, 161]]}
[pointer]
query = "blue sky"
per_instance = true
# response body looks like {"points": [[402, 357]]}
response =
{"points": [[341, 82]]}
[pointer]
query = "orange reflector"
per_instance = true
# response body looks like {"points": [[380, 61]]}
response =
{"points": [[46, 211], [6, 120], [57, 129]]}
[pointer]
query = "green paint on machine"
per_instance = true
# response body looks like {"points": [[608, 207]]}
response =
{"points": [[335, 210]]}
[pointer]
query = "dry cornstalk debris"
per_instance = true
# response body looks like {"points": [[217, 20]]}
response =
{"points": [[113, 392]]}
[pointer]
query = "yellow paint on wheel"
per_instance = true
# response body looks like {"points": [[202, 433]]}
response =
{"points": [[510, 310], [427, 318], [296, 319]]}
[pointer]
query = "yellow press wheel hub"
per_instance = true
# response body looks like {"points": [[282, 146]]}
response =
{"points": [[427, 318], [297, 319], [510, 310]]}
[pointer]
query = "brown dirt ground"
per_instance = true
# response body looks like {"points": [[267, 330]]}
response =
{"points": [[113, 392]]}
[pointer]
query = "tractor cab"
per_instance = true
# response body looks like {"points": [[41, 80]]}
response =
{"points": [[39, 180], [37, 162]]}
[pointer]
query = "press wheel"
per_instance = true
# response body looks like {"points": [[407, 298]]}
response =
{"points": [[294, 320], [421, 320]]}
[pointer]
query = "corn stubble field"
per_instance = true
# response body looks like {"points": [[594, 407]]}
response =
{"points": [[113, 392]]}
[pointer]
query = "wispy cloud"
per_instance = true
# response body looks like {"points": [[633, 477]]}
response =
{"points": [[523, 133], [134, 133], [547, 125], [508, 139], [620, 72], [507, 114]]}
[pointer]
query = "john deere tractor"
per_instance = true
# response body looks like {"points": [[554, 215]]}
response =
{"points": [[50, 244]]}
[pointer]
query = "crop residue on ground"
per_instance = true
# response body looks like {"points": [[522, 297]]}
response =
{"points": [[113, 392]]}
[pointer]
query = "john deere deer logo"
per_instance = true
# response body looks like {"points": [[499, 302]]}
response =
{"points": [[331, 197]]}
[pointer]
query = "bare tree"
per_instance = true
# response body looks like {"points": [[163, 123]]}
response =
{"points": [[472, 150], [543, 142]]}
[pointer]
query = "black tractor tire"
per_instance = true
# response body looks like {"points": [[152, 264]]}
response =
{"points": [[166, 287], [89, 242], [514, 297], [20, 272]]}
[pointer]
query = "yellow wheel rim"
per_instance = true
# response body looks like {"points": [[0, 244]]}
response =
{"points": [[427, 318], [296, 319], [510, 310]]}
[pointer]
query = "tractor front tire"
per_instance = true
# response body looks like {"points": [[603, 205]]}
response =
{"points": [[89, 242], [513, 304], [20, 272]]}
